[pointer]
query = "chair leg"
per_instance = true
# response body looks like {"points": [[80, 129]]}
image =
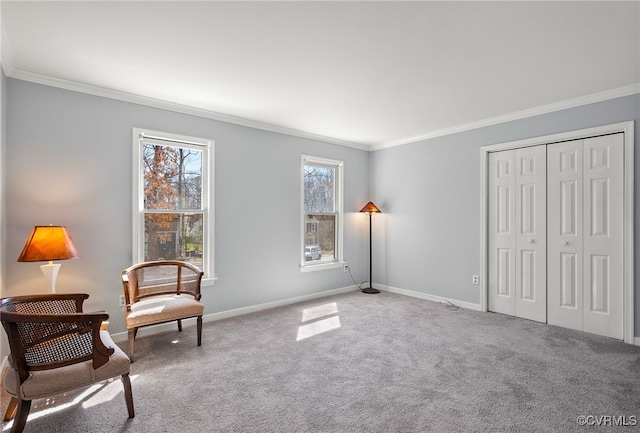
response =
{"points": [[126, 384], [21, 416], [11, 409], [132, 336], [199, 330], [179, 325]]}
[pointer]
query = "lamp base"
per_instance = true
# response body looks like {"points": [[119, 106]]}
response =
{"points": [[50, 272], [370, 290]]}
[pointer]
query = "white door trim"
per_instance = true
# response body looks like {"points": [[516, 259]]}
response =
{"points": [[628, 278]]}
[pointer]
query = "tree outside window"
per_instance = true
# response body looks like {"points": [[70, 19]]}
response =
{"points": [[172, 199], [172, 211]]}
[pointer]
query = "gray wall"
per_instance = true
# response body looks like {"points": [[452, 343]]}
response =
{"points": [[70, 163], [429, 235], [3, 165], [70, 157]]}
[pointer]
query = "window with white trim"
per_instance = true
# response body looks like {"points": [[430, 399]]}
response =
{"points": [[172, 204], [322, 215]]}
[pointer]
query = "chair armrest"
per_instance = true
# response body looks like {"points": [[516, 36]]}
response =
{"points": [[45, 341], [128, 297]]}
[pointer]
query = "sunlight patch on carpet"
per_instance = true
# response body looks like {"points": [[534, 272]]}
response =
{"points": [[319, 326], [91, 396], [319, 311], [107, 393]]}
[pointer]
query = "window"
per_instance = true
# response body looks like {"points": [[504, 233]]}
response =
{"points": [[321, 213], [172, 210]]}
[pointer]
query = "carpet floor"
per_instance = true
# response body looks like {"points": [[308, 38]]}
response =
{"points": [[364, 363]]}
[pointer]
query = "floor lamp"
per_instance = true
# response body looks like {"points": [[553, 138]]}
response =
{"points": [[49, 243], [371, 209]]}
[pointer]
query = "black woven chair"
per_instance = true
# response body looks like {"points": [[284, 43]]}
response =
{"points": [[56, 348]]}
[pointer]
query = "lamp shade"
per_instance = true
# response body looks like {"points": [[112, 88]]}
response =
{"points": [[47, 243], [370, 207]]}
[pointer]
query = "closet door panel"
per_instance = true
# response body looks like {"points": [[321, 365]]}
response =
{"points": [[530, 233], [585, 223], [564, 224], [517, 233], [501, 260], [603, 246]]}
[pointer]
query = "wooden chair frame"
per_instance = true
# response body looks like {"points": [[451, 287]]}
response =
{"points": [[38, 326], [133, 295]]}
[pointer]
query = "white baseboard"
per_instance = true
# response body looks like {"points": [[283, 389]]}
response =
{"points": [[149, 330], [462, 304], [434, 298], [122, 336]]}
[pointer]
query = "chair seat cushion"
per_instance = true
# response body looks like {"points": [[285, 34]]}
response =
{"points": [[160, 309], [44, 383]]}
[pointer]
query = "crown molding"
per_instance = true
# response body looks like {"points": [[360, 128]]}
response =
{"points": [[6, 55], [12, 72], [536, 111], [75, 86]]}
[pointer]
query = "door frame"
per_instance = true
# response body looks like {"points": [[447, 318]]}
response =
{"points": [[628, 204]]}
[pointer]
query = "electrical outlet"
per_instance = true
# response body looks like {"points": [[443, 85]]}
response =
{"points": [[476, 279], [122, 302], [345, 268]]}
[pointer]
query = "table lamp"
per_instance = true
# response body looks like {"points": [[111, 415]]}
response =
{"points": [[49, 243]]}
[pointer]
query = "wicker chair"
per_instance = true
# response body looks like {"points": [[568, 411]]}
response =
{"points": [[55, 348], [161, 291]]}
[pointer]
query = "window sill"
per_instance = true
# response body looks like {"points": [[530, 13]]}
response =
{"points": [[322, 266], [208, 281]]}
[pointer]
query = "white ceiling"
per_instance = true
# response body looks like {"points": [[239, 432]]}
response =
{"points": [[368, 74]]}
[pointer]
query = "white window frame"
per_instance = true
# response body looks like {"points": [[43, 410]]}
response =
{"points": [[338, 261], [207, 147]]}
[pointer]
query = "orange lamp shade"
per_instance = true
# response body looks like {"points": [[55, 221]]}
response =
{"points": [[47, 243], [370, 207]]}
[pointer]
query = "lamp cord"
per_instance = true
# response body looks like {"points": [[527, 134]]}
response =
{"points": [[451, 306], [354, 280]]}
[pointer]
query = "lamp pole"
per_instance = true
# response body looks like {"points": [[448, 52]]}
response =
{"points": [[370, 289], [370, 208]]}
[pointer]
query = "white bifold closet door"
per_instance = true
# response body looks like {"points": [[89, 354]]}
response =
{"points": [[585, 223], [517, 233]]}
